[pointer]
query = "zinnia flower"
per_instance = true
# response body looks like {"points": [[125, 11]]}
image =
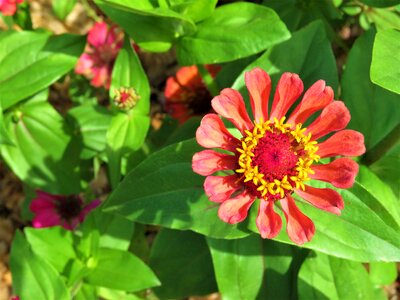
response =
{"points": [[9, 7], [186, 95], [53, 210], [275, 156], [103, 45]]}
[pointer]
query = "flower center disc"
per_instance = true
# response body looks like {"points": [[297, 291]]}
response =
{"points": [[69, 208], [275, 158]]}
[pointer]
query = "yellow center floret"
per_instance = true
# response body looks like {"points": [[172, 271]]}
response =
{"points": [[275, 158]]}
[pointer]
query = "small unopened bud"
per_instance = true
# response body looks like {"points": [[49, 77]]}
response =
{"points": [[126, 98]]}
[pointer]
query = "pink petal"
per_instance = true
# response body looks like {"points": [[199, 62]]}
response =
{"points": [[8, 8], [88, 208], [269, 223], [84, 65], [258, 84], [341, 173], [221, 188], [345, 142], [288, 90], [325, 199], [213, 134], [231, 106], [235, 209], [334, 117], [315, 98], [46, 218], [300, 228], [207, 162], [98, 34], [101, 76], [38, 205]]}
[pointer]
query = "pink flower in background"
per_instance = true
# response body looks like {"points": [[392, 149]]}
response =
{"points": [[275, 156], [103, 45], [9, 7], [53, 210]]}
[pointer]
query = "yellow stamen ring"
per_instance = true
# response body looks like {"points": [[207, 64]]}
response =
{"points": [[303, 166]]}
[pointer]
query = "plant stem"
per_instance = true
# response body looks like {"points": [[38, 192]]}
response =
{"points": [[380, 149]]}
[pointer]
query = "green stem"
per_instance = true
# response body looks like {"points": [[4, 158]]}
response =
{"points": [[380, 149], [208, 80]]}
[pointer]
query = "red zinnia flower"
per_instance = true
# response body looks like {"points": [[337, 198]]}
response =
{"points": [[103, 45], [53, 210], [274, 157], [186, 94], [9, 7]]}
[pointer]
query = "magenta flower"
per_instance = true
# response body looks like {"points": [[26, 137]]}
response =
{"points": [[103, 45], [275, 156], [9, 7], [53, 210]]}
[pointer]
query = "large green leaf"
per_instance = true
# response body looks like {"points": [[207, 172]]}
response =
{"points": [[253, 268], [374, 111], [381, 3], [366, 231], [326, 277], [233, 31], [182, 262], [34, 278], [385, 66], [388, 169], [239, 266], [383, 273], [54, 245], [127, 130], [92, 122], [308, 53], [44, 155], [159, 27], [31, 61], [121, 270], [298, 13], [164, 190], [4, 137], [196, 10]]}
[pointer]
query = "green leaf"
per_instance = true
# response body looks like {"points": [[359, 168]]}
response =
{"points": [[33, 278], [385, 66], [63, 7], [299, 13], [383, 18], [54, 245], [4, 136], [308, 53], [381, 3], [326, 277], [383, 273], [92, 122], [115, 231], [123, 271], [159, 27], [388, 169], [374, 111], [254, 268], [127, 130], [366, 230], [239, 266], [43, 156], [182, 262], [197, 10], [31, 61], [86, 292], [163, 190], [233, 31]]}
